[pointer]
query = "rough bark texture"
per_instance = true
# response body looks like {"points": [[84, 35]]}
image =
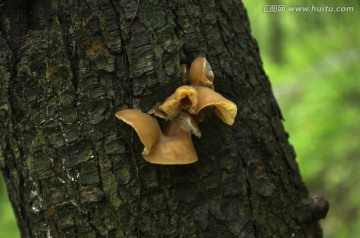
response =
{"points": [[72, 169]]}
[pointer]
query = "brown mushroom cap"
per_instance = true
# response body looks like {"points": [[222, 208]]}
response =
{"points": [[157, 112], [175, 147], [146, 127], [225, 109], [199, 97], [200, 73], [172, 105]]}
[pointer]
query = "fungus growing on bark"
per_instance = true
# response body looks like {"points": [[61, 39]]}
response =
{"points": [[173, 145], [185, 97], [156, 111], [146, 127], [200, 73], [225, 109], [194, 98]]}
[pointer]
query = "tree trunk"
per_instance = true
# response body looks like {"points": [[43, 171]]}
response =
{"points": [[73, 170]]}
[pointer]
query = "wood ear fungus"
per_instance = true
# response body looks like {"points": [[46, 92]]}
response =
{"points": [[201, 73], [185, 97], [171, 143]]}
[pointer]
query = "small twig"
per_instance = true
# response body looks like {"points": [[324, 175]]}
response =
{"points": [[134, 15]]}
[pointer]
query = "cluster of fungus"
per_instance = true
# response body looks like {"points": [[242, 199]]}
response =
{"points": [[170, 142]]}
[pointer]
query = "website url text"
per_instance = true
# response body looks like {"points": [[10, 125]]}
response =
{"points": [[283, 8]]}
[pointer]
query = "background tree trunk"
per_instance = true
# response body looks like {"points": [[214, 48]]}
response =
{"points": [[72, 169]]}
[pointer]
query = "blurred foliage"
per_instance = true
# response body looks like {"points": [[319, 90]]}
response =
{"points": [[8, 226], [312, 60]]}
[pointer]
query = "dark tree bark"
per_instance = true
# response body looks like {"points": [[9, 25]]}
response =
{"points": [[72, 169]]}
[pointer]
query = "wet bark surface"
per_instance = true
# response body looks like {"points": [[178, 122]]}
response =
{"points": [[72, 169]]}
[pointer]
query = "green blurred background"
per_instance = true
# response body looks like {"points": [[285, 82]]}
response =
{"points": [[313, 62]]}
